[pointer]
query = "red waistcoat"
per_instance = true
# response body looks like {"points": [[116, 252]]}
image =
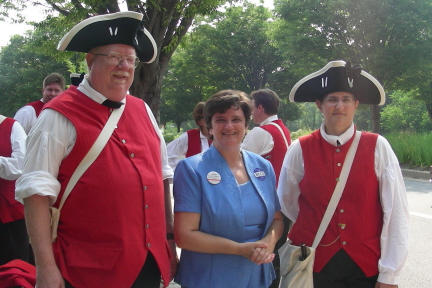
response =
{"points": [[277, 154], [10, 209], [116, 213], [37, 105], [194, 142], [357, 223]]}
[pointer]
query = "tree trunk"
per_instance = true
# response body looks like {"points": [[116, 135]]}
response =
{"points": [[429, 109], [147, 84], [375, 113]]}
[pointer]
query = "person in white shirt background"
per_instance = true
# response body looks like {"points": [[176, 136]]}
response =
{"points": [[52, 86], [191, 142], [14, 243]]}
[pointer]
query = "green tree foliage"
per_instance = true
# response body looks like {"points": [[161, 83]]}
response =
{"points": [[167, 20], [184, 86], [228, 50], [22, 71], [390, 38], [405, 114], [237, 47]]}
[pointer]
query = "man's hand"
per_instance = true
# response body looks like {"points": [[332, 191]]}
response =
{"points": [[49, 277]]}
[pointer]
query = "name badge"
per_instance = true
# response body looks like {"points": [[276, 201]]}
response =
{"points": [[259, 174], [213, 177]]}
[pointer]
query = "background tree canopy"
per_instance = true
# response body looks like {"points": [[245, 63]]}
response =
{"points": [[167, 20], [227, 50], [22, 72], [390, 38], [203, 49]]}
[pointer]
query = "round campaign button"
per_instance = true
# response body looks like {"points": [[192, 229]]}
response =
{"points": [[259, 174], [213, 177]]}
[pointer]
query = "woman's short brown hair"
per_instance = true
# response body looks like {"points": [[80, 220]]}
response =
{"points": [[198, 112], [224, 100]]}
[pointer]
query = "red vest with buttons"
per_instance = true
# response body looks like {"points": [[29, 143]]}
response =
{"points": [[277, 154], [115, 214], [37, 105], [10, 209], [357, 223]]}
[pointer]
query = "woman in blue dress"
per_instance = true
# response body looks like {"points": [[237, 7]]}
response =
{"points": [[227, 217]]}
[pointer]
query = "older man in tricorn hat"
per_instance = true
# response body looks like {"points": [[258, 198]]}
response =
{"points": [[366, 242], [113, 231]]}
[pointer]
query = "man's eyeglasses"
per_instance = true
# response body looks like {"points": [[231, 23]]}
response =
{"points": [[115, 59], [334, 101]]}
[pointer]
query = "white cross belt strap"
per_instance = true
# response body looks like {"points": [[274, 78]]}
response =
{"points": [[91, 156], [280, 130], [2, 118]]}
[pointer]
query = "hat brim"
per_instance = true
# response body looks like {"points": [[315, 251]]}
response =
{"points": [[116, 28], [332, 78]]}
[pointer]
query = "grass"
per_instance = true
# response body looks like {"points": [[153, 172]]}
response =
{"points": [[412, 149]]}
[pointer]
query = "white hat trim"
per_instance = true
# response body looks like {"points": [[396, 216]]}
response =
{"points": [[68, 37], [339, 63]]}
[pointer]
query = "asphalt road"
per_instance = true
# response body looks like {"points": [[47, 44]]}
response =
{"points": [[417, 272]]}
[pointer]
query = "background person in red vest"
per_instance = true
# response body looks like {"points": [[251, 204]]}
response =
{"points": [[13, 234], [191, 142], [52, 85], [366, 242], [268, 141], [115, 228]]}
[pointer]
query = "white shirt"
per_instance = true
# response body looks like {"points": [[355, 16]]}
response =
{"points": [[26, 116], [51, 140], [11, 167], [394, 235], [259, 140], [178, 147]]}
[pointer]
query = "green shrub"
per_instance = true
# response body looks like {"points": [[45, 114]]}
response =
{"points": [[300, 132], [413, 149], [169, 132]]}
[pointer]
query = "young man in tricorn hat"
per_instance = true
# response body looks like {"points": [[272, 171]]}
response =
{"points": [[113, 231], [366, 242]]}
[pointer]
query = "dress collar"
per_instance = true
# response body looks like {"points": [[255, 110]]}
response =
{"points": [[343, 138]]}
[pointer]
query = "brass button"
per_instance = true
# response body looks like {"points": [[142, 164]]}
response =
{"points": [[342, 226], [338, 150], [132, 155]]}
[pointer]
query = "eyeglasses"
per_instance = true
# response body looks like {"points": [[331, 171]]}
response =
{"points": [[333, 101], [115, 59]]}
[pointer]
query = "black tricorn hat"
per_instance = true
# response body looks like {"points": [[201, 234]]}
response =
{"points": [[116, 28], [339, 76]]}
